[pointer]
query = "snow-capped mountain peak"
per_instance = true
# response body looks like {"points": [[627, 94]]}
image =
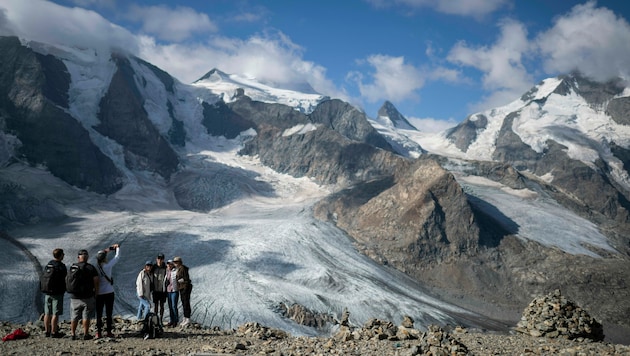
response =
{"points": [[388, 115], [227, 87]]}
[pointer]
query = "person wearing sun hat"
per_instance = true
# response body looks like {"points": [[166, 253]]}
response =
{"points": [[185, 288], [143, 290]]}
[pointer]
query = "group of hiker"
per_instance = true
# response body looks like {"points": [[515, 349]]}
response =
{"points": [[91, 290]]}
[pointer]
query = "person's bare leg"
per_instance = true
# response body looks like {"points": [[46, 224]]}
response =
{"points": [[54, 324], [73, 327], [47, 327], [86, 326]]}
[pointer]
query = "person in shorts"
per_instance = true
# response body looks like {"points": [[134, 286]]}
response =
{"points": [[53, 301], [82, 305]]}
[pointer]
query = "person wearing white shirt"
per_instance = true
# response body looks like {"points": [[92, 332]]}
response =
{"points": [[105, 294]]}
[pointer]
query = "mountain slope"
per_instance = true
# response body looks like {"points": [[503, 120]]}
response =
{"points": [[260, 197]]}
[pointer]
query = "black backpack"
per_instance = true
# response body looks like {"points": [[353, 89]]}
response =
{"points": [[152, 326], [51, 280], [76, 280]]}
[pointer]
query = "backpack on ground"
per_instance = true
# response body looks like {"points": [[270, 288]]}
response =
{"points": [[76, 280], [51, 280], [152, 326]]}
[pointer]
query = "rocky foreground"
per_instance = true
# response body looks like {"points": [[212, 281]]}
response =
{"points": [[550, 325], [374, 338]]}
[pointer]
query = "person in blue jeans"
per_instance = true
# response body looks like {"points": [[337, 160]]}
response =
{"points": [[172, 293], [143, 290]]}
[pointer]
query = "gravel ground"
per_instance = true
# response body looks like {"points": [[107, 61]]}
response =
{"points": [[253, 339]]}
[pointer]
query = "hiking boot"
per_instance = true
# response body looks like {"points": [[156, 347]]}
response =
{"points": [[74, 337], [110, 334], [87, 337], [98, 335], [57, 335]]}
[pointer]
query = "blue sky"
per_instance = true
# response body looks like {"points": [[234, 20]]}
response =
{"points": [[437, 61]]}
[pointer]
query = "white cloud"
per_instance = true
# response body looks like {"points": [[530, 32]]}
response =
{"points": [[469, 8], [392, 79], [592, 40], [48, 22], [432, 125], [171, 24], [504, 74], [270, 58]]}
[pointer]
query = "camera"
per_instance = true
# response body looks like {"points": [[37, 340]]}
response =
{"points": [[112, 248]]}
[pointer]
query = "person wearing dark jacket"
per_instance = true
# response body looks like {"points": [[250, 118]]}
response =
{"points": [[53, 300], [83, 304], [185, 288], [159, 285]]}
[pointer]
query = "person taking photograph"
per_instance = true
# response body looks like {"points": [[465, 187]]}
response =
{"points": [[105, 295]]}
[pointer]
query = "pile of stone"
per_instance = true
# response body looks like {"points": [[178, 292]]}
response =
{"points": [[437, 341], [257, 331], [556, 316], [375, 329]]}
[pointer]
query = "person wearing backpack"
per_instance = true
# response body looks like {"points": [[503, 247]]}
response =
{"points": [[105, 295], [52, 283], [82, 284], [144, 284]]}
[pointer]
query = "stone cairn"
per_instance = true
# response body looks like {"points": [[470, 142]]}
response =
{"points": [[555, 316], [435, 341]]}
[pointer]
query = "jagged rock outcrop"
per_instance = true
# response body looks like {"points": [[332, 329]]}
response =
{"points": [[349, 122], [303, 316], [465, 133], [33, 105], [554, 315], [321, 149], [389, 110], [418, 216]]}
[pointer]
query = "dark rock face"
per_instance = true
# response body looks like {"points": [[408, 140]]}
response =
{"points": [[596, 94], [464, 134], [263, 114], [349, 122], [323, 153], [220, 120], [399, 121], [123, 118], [48, 135], [619, 110]]}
